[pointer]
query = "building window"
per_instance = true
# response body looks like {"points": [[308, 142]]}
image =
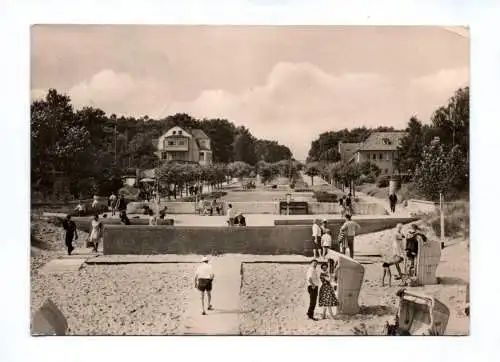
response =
{"points": [[387, 158], [174, 132], [171, 143], [386, 141], [180, 132], [374, 156], [380, 156], [202, 155], [181, 142], [386, 171]]}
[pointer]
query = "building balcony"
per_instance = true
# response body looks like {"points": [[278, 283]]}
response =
{"points": [[176, 148]]}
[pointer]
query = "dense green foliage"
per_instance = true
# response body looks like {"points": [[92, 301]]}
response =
{"points": [[92, 150]]}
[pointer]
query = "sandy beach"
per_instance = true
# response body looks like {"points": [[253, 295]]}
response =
{"points": [[152, 299]]}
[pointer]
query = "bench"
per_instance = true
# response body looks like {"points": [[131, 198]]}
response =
{"points": [[294, 208]]}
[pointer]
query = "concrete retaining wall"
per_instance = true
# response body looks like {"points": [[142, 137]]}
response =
{"points": [[205, 240], [259, 240], [263, 207], [83, 223]]}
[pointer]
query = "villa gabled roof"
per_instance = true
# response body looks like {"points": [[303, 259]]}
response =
{"points": [[198, 133], [382, 141]]}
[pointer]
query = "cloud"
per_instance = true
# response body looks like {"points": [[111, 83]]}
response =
{"points": [[299, 100], [444, 81]]}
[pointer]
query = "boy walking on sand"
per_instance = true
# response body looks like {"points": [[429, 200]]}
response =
{"points": [[203, 280]]}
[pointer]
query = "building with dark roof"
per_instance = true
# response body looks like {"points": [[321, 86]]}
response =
{"points": [[381, 149], [188, 145]]}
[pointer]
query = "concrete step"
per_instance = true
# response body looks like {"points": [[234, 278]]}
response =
{"points": [[61, 266], [224, 319]]}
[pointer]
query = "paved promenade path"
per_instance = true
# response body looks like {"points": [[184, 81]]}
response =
{"points": [[224, 319]]}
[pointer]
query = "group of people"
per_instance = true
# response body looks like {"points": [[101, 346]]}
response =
{"points": [[322, 286], [206, 207], [71, 233], [345, 203], [323, 241], [404, 249], [235, 220], [116, 204]]}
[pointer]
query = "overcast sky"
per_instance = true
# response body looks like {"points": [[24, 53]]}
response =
{"points": [[284, 83]]}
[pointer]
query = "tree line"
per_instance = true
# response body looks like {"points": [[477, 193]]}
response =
{"points": [[434, 155], [93, 150]]}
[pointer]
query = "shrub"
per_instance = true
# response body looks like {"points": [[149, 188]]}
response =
{"points": [[456, 220], [323, 196], [211, 195]]}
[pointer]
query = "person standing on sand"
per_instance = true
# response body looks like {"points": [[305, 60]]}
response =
{"points": [[326, 242], [350, 228], [316, 238], [312, 280], [203, 281], [327, 298], [96, 232], [70, 233], [393, 199], [396, 257]]}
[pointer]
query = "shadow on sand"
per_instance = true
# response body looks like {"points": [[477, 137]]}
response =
{"points": [[376, 310], [451, 281]]}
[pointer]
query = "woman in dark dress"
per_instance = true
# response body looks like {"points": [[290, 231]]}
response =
{"points": [[327, 298]]}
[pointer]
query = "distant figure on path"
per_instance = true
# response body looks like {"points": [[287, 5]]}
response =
{"points": [[201, 206], [327, 298], [230, 215], [203, 280], [153, 221], [396, 256], [124, 218], [239, 220], [70, 233], [96, 232], [163, 213], [95, 201], [80, 210], [312, 281], [122, 204], [342, 206], [350, 228], [316, 238], [348, 204], [326, 242], [393, 199], [112, 202]]}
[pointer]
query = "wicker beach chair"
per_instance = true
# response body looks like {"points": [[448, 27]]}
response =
{"points": [[349, 274], [421, 315]]}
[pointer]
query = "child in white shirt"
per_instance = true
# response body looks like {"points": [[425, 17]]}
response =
{"points": [[326, 242]]}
